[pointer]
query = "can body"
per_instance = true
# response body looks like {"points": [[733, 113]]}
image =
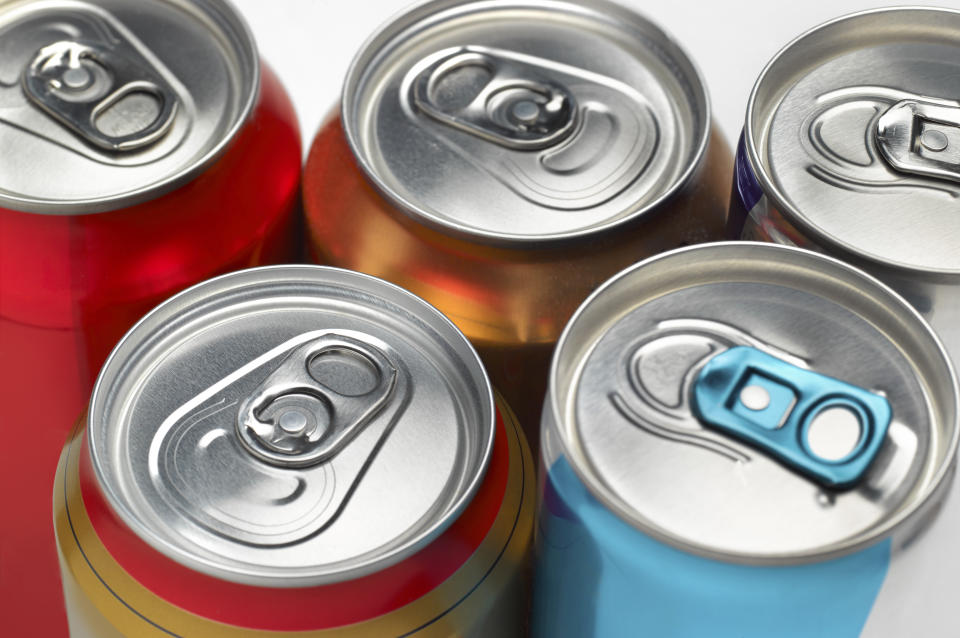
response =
{"points": [[854, 195], [503, 183], [471, 581], [615, 561], [511, 302], [592, 567], [935, 295], [844, 186], [258, 494], [73, 284]]}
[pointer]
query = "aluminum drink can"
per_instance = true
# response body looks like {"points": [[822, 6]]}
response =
{"points": [[146, 148], [501, 159], [751, 440], [295, 450], [850, 148]]}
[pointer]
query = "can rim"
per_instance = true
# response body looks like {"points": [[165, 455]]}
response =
{"points": [[221, 11], [608, 499], [430, 8], [364, 567], [770, 189]]}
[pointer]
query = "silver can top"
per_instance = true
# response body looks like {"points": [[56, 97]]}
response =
{"points": [[291, 425], [523, 121], [854, 131], [719, 397], [113, 102]]}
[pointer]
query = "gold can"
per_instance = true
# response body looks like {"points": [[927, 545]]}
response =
{"points": [[484, 161]]}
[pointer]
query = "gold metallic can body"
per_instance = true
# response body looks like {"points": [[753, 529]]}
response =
{"points": [[108, 577], [512, 301]]}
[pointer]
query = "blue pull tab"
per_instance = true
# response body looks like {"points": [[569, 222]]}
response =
{"points": [[824, 428]]}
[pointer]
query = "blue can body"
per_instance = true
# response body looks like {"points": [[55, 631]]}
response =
{"points": [[599, 576]]}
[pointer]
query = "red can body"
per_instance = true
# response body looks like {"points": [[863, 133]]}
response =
{"points": [[71, 285], [469, 581]]}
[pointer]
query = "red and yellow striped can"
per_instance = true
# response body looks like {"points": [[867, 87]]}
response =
{"points": [[468, 579]]}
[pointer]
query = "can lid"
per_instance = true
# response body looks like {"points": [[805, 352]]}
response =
{"points": [[854, 129], [756, 403], [522, 121], [291, 426], [113, 102]]}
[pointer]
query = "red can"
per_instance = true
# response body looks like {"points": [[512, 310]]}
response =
{"points": [[152, 150]]}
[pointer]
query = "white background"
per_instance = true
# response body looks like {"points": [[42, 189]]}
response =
{"points": [[310, 43]]}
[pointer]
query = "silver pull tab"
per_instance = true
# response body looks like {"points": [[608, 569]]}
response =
{"points": [[922, 136], [295, 418], [112, 98], [503, 101]]}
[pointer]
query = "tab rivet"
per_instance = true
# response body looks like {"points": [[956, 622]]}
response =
{"points": [[292, 422], [755, 398], [912, 134], [76, 78], [298, 418], [934, 140], [526, 111]]}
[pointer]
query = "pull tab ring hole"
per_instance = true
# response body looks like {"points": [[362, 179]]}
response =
{"points": [[129, 114], [834, 433], [934, 140], [455, 86], [344, 371]]}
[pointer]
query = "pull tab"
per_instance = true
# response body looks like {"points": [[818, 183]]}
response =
{"points": [[112, 98], [824, 428], [922, 136], [317, 399], [503, 101]]}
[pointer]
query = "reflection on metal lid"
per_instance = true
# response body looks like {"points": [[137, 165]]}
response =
{"points": [[112, 102], [734, 399], [871, 99], [291, 425], [521, 121]]}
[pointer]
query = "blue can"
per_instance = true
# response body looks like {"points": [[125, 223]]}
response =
{"points": [[850, 148], [743, 440]]}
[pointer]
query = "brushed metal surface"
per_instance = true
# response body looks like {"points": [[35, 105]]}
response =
{"points": [[169, 408], [198, 55], [618, 401], [829, 90], [641, 125]]}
